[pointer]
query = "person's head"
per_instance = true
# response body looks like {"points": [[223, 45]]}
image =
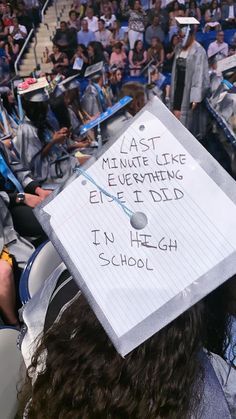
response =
{"points": [[220, 37], [155, 42], [174, 40], [9, 9], [115, 75], [137, 5], [91, 49], [137, 92], [84, 25], [118, 47], [107, 11], [192, 4], [95, 51], [175, 5], [81, 49], [35, 111], [9, 101], [154, 74], [85, 377], [101, 25], [15, 22], [73, 15], [115, 25], [2, 44], [213, 5], [138, 45], [186, 35], [71, 96], [63, 26], [155, 21], [157, 5], [89, 12], [55, 49], [21, 8]]}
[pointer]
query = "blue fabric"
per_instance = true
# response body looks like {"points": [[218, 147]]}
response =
{"points": [[8, 175]]}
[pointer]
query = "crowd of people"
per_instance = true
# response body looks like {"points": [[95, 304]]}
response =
{"points": [[16, 20], [105, 51]]}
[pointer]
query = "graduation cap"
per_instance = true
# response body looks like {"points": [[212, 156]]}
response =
{"points": [[215, 57], [36, 92], [69, 83], [187, 25], [143, 213], [187, 21], [94, 70]]}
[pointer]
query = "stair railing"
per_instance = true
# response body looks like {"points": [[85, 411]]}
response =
{"points": [[22, 51]]}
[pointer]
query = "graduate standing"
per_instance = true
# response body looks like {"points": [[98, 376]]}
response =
{"points": [[190, 76]]}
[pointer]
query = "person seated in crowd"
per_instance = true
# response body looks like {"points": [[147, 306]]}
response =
{"points": [[33, 9], [85, 36], [7, 14], [24, 16], [21, 204], [156, 82], [193, 10], [3, 31], [4, 63], [94, 99], [74, 21], [95, 53], [59, 60], [91, 19], [118, 34], [178, 373], [77, 116], [229, 14], [66, 39], [162, 13], [137, 58], [80, 59], [156, 53], [79, 7], [12, 49], [18, 32], [103, 35], [212, 17], [13, 249], [40, 149], [108, 17], [115, 124], [176, 10], [218, 46], [12, 113], [154, 31], [170, 53], [118, 57], [115, 81]]}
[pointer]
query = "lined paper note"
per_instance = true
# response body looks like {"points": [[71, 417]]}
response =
{"points": [[191, 226]]}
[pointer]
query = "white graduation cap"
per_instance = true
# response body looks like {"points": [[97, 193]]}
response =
{"points": [[185, 21], [138, 228], [93, 69]]}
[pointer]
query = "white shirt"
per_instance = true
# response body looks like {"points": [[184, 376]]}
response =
{"points": [[108, 22], [92, 23], [231, 12], [18, 35], [104, 37]]}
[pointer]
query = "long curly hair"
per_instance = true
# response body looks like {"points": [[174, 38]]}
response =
{"points": [[84, 377], [77, 373]]}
